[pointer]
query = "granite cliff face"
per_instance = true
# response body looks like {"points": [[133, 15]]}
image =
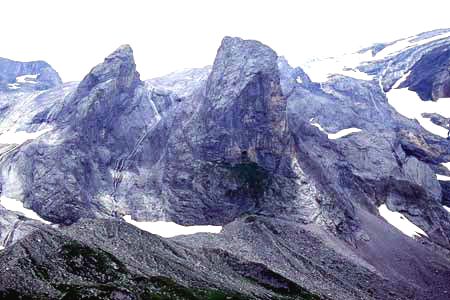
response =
{"points": [[299, 173], [244, 107]]}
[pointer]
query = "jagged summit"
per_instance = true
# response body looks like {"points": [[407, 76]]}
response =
{"points": [[124, 51], [119, 66], [237, 62]]}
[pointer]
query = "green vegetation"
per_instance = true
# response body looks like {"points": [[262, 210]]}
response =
{"points": [[218, 295], [253, 179], [107, 276], [91, 263], [13, 295], [82, 272], [155, 288]]}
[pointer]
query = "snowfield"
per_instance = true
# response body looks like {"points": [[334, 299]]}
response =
{"points": [[400, 222], [17, 206], [342, 133], [409, 104], [320, 69], [13, 86], [171, 229], [29, 78], [442, 177], [405, 102]]}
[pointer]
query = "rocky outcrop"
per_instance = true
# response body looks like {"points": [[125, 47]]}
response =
{"points": [[392, 157], [429, 77], [244, 107], [14, 227], [290, 77], [438, 119], [229, 140]]}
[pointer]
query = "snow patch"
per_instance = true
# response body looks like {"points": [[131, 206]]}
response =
{"points": [[1, 248], [400, 222], [20, 137], [13, 86], [339, 134], [320, 69], [171, 229], [318, 126], [29, 78], [447, 208], [442, 177], [409, 104], [342, 133], [299, 79], [17, 206], [447, 165]]}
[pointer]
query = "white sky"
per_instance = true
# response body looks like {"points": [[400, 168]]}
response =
{"points": [[167, 35]]}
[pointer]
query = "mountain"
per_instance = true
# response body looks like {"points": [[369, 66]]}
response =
{"points": [[34, 75], [328, 181]]}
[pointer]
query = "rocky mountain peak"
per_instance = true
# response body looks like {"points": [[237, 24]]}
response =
{"points": [[245, 107], [110, 91], [237, 62], [119, 67], [123, 52]]}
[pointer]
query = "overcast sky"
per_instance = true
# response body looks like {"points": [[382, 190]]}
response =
{"points": [[167, 35]]}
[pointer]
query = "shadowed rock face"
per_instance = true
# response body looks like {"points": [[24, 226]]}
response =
{"points": [[244, 108], [238, 145], [430, 76]]}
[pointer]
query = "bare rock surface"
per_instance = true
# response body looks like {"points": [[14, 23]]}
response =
{"points": [[294, 170]]}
